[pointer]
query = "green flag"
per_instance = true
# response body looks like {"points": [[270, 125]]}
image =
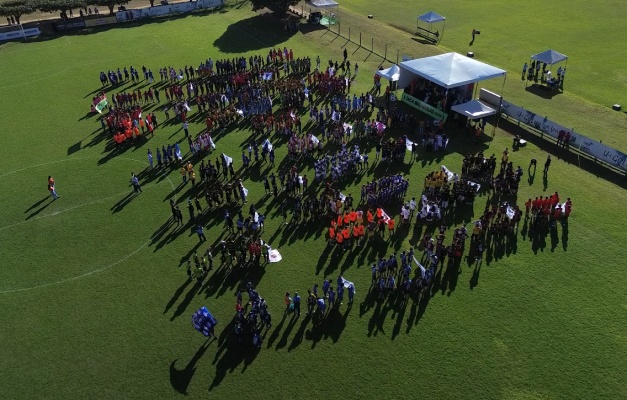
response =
{"points": [[100, 106]]}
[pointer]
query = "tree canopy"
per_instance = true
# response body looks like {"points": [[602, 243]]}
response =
{"points": [[59, 5], [278, 6], [17, 8], [108, 3]]}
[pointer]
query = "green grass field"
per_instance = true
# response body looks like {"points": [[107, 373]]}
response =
{"points": [[94, 301]]}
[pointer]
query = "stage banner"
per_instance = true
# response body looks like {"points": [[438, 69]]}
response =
{"points": [[101, 21], [423, 107], [604, 153], [543, 124]]}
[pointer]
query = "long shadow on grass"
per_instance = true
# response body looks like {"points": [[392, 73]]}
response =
{"points": [[40, 209], [36, 204], [259, 32], [180, 379], [230, 354]]}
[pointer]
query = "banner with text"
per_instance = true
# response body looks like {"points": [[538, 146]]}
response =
{"points": [[604, 153], [588, 146], [70, 23], [101, 21], [19, 34], [158, 11], [423, 107], [543, 124]]}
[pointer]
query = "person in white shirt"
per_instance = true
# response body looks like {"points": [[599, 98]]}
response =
{"points": [[412, 206]]}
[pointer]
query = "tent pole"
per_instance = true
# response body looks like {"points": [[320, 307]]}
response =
{"points": [[503, 86]]}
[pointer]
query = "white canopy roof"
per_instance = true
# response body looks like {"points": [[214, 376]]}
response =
{"points": [[474, 109], [448, 70], [431, 17], [322, 3], [549, 57], [391, 74]]}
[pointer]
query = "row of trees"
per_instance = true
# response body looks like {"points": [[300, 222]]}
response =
{"points": [[18, 8]]}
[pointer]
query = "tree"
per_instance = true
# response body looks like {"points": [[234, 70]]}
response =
{"points": [[59, 5], [17, 8], [278, 6], [108, 3]]}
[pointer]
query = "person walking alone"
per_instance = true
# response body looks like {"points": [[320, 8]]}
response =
{"points": [[135, 182], [547, 164], [51, 188]]}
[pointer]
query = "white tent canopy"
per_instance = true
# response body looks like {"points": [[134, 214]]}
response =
{"points": [[549, 57], [431, 17], [474, 109], [448, 70], [391, 74], [322, 3]]}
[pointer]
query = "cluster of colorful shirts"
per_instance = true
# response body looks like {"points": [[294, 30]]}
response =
{"points": [[128, 127], [341, 231]]}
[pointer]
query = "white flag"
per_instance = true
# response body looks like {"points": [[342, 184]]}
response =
{"points": [[275, 256], [228, 159], [409, 144]]}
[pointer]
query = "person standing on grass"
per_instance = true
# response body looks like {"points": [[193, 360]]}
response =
{"points": [[547, 164], [190, 208], [201, 233], [150, 158], [288, 301], [186, 128], [135, 182], [51, 188], [296, 304], [351, 293]]}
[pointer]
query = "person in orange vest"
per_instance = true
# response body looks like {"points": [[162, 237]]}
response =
{"points": [[331, 234], [346, 233], [391, 226], [527, 208], [339, 221], [347, 219], [381, 227], [352, 216], [370, 217], [361, 232], [356, 234], [339, 239], [379, 213]]}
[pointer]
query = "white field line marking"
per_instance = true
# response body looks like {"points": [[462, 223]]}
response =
{"points": [[106, 267]]}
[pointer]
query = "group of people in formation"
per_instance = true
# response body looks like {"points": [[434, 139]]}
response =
{"points": [[545, 210], [251, 318], [395, 274], [322, 299], [353, 226]]}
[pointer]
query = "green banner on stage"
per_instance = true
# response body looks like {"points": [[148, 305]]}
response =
{"points": [[423, 107]]}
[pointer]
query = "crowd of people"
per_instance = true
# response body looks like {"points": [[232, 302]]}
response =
{"points": [[229, 91], [394, 274], [545, 210], [249, 324]]}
